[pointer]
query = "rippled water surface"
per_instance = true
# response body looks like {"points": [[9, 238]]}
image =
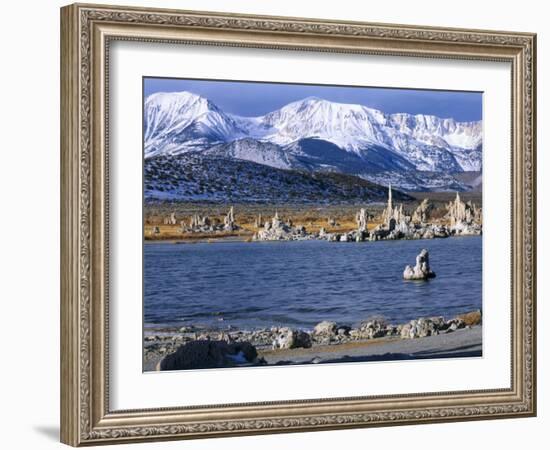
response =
{"points": [[298, 284]]}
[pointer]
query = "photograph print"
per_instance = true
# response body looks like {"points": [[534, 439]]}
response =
{"points": [[290, 224]]}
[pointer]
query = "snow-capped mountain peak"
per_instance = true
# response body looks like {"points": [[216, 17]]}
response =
{"points": [[349, 126], [182, 120], [166, 111]]}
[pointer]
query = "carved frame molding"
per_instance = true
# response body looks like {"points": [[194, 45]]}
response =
{"points": [[86, 32]]}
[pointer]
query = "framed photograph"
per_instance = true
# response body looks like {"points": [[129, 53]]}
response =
{"points": [[278, 224]]}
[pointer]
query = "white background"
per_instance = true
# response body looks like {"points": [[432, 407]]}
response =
{"points": [[131, 389], [29, 181]]}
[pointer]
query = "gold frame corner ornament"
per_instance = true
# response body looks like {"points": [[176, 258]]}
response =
{"points": [[86, 32]]}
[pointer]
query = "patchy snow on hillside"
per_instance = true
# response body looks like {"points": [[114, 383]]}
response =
{"points": [[197, 177]]}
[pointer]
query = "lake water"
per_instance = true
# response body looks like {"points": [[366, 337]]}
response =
{"points": [[298, 284]]}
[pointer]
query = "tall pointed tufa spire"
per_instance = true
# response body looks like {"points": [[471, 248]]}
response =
{"points": [[389, 213]]}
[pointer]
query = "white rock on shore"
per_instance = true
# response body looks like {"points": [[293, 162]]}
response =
{"points": [[325, 328], [288, 338]]}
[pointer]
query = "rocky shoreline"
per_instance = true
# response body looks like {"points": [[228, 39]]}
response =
{"points": [[193, 347]]}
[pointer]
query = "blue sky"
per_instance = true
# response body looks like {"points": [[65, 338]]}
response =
{"points": [[254, 99]]}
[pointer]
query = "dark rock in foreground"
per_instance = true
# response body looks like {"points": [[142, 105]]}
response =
{"points": [[209, 355]]}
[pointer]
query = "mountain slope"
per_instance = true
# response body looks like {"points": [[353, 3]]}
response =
{"points": [[318, 154], [256, 151], [199, 177]]}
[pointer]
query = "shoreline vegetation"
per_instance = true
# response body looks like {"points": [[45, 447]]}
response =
{"points": [[194, 347], [446, 215]]}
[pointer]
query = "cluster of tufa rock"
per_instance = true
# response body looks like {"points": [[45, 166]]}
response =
{"points": [[258, 223], [279, 230], [229, 221], [465, 218], [359, 235], [361, 219], [422, 213], [171, 219], [203, 224], [421, 270], [198, 223], [392, 216], [397, 224]]}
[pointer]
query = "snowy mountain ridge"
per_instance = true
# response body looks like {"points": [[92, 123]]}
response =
{"points": [[313, 134]]}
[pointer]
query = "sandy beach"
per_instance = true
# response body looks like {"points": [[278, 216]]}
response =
{"points": [[463, 343]]}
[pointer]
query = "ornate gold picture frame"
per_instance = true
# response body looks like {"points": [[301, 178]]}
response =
{"points": [[87, 32]]}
